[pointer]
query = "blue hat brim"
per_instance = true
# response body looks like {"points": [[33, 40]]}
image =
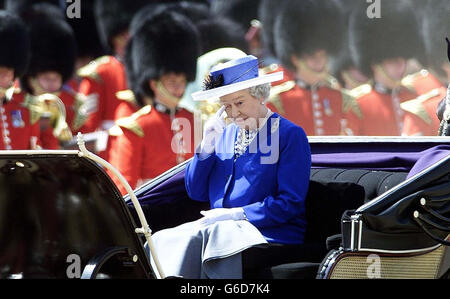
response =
{"points": [[227, 89]]}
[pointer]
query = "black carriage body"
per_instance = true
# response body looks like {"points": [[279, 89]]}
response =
{"points": [[62, 217]]}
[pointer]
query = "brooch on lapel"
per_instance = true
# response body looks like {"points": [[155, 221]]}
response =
{"points": [[16, 119]]}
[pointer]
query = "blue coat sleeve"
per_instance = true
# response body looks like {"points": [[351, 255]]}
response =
{"points": [[196, 178], [292, 180]]}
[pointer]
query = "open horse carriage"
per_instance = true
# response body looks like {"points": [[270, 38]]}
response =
{"points": [[366, 219]]}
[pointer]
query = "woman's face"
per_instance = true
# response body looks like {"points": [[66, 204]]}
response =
{"points": [[244, 109]]}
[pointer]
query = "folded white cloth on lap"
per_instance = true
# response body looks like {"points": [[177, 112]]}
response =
{"points": [[196, 251]]}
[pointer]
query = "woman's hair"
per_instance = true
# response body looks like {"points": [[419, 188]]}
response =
{"points": [[260, 91]]}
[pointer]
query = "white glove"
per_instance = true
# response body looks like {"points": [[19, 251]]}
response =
{"points": [[220, 214], [214, 128]]}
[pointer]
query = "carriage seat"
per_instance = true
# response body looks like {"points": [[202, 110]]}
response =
{"points": [[331, 192], [374, 183]]}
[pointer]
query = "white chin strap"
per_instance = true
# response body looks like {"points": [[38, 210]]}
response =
{"points": [[173, 101]]}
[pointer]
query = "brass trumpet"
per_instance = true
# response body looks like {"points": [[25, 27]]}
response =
{"points": [[51, 107]]}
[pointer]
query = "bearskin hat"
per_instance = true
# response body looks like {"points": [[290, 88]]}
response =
{"points": [[166, 42], [241, 11], [343, 60], [22, 6], [53, 46], [195, 11], [221, 33], [86, 33], [304, 27], [114, 16], [395, 34], [16, 52], [268, 12], [436, 27]]}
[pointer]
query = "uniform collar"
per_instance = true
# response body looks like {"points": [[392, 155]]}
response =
{"points": [[7, 94], [381, 88], [164, 109], [304, 85]]}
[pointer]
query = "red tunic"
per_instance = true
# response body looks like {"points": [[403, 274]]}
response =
{"points": [[19, 125], [381, 114], [146, 146], [75, 104], [318, 111], [48, 140], [125, 109], [420, 116], [102, 79], [421, 82]]}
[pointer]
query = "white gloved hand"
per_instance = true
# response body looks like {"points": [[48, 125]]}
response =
{"points": [[220, 214], [214, 127]]}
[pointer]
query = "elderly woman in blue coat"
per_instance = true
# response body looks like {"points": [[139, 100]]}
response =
{"points": [[257, 167]]}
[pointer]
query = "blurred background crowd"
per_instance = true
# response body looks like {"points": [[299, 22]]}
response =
{"points": [[122, 72]]}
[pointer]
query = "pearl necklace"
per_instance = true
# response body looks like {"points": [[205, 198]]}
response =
{"points": [[245, 137]]}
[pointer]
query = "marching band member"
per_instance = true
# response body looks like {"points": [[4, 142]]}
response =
{"points": [[306, 34], [18, 124], [52, 63], [103, 77], [380, 49]]}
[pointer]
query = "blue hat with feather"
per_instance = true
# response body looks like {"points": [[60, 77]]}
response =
{"points": [[232, 76]]}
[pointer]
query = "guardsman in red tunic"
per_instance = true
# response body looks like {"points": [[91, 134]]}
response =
{"points": [[214, 32], [160, 134], [380, 49], [19, 127], [420, 117], [103, 77], [89, 47], [306, 36], [52, 63]]}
